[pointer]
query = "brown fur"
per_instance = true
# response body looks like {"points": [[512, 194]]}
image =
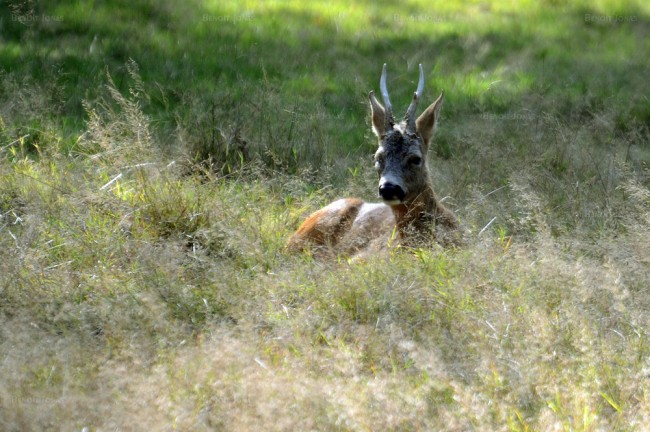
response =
{"points": [[327, 225]]}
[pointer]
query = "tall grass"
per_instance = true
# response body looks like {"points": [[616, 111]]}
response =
{"points": [[144, 282]]}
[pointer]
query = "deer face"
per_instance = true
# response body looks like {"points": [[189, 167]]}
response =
{"points": [[400, 162], [400, 159]]}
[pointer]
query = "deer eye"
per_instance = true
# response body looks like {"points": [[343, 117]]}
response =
{"points": [[415, 160], [379, 162]]}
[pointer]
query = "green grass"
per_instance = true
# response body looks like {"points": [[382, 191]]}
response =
{"points": [[149, 181]]}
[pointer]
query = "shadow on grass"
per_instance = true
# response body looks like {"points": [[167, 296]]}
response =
{"points": [[302, 75]]}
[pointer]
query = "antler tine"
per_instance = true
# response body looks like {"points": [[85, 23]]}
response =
{"points": [[384, 95], [410, 113], [420, 82]]}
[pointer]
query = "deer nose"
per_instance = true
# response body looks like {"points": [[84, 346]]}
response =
{"points": [[391, 192]]}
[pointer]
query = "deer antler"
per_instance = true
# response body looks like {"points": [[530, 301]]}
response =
{"points": [[384, 94], [410, 113]]}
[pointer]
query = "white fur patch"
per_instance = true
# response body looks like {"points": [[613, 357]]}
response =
{"points": [[337, 205], [368, 208]]}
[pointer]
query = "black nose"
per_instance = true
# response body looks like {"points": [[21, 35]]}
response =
{"points": [[391, 192]]}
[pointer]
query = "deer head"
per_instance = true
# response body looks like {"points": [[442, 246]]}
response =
{"points": [[401, 159]]}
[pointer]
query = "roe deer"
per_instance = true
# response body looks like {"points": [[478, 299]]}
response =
{"points": [[410, 209]]}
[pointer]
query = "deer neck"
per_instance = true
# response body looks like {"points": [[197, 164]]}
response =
{"points": [[416, 218]]}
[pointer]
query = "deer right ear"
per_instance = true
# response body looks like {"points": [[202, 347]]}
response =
{"points": [[426, 123], [378, 116]]}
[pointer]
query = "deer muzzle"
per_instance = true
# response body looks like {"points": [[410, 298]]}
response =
{"points": [[391, 193]]}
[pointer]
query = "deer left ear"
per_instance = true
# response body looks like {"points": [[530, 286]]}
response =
{"points": [[426, 123]]}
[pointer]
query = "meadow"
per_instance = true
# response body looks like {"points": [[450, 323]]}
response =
{"points": [[155, 156]]}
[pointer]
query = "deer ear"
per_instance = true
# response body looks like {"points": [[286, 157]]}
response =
{"points": [[426, 123], [378, 116]]}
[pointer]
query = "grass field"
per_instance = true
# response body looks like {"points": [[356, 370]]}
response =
{"points": [[156, 155]]}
